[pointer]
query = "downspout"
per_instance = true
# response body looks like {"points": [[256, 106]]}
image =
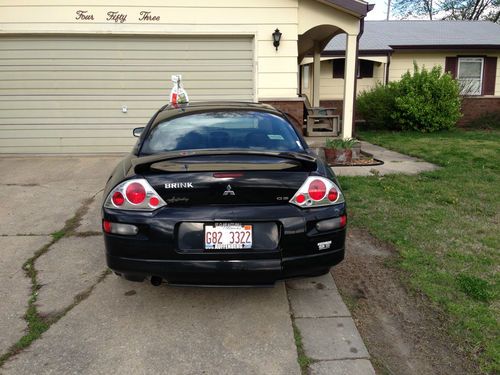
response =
{"points": [[389, 54], [300, 80]]}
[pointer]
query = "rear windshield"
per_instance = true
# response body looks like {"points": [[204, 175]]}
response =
{"points": [[251, 130]]}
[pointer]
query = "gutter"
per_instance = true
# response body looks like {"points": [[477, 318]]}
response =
{"points": [[389, 55]]}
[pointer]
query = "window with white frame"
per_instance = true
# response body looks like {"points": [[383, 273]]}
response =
{"points": [[470, 75]]}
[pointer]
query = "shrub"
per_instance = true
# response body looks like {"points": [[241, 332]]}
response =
{"points": [[377, 105], [425, 101]]}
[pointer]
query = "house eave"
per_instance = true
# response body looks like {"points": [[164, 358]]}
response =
{"points": [[448, 47], [369, 52], [357, 8]]}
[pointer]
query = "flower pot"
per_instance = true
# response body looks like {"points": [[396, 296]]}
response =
{"points": [[340, 156], [329, 155]]}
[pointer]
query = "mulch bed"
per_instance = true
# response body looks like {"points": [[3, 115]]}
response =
{"points": [[361, 162]]}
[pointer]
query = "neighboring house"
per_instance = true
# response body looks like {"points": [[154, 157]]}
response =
{"points": [[77, 77], [469, 50]]}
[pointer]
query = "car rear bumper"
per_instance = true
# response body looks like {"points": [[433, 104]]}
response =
{"points": [[286, 244], [249, 272]]}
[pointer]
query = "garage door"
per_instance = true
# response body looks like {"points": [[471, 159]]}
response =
{"points": [[84, 94]]}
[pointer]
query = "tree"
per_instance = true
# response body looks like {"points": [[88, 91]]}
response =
{"points": [[471, 10], [415, 8]]}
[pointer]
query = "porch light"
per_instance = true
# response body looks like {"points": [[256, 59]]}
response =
{"points": [[276, 38]]}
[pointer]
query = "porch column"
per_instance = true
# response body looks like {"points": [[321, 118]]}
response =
{"points": [[349, 85], [316, 73]]}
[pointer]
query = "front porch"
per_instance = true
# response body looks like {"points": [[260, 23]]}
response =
{"points": [[319, 22], [312, 40]]}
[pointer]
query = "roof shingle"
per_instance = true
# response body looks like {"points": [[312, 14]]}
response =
{"points": [[389, 35]]}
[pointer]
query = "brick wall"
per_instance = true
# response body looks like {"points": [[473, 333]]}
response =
{"points": [[293, 108], [474, 107]]}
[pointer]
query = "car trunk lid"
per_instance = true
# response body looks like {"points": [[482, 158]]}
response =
{"points": [[223, 178]]}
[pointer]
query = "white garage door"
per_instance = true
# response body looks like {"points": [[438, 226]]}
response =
{"points": [[67, 94]]}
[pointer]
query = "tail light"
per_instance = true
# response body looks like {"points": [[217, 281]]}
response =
{"points": [[135, 195], [317, 192]]}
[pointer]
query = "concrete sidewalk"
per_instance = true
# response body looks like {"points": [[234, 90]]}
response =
{"points": [[394, 162], [329, 335]]}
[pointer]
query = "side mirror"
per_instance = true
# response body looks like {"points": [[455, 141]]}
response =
{"points": [[137, 132]]}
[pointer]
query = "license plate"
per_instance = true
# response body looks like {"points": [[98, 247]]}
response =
{"points": [[228, 236]]}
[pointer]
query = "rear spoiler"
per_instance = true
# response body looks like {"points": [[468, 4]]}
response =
{"points": [[143, 164]]}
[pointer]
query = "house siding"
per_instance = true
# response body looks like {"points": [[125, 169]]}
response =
{"points": [[276, 71], [402, 62], [71, 97], [333, 88]]}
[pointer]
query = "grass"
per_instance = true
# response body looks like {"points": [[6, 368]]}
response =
{"points": [[446, 227], [303, 360]]}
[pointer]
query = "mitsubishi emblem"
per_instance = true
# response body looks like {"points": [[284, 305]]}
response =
{"points": [[229, 191]]}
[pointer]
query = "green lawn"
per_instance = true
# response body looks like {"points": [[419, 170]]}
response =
{"points": [[446, 227]]}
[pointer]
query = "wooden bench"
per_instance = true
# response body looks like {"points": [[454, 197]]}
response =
{"points": [[321, 121]]}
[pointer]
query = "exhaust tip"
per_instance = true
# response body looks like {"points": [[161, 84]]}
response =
{"points": [[156, 280]]}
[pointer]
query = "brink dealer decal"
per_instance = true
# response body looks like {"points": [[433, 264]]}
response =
{"points": [[179, 185]]}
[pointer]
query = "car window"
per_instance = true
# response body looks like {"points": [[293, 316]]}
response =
{"points": [[251, 130]]}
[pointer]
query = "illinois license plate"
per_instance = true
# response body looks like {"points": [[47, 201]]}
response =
{"points": [[228, 236]]}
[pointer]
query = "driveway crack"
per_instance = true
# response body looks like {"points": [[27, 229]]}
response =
{"points": [[38, 324]]}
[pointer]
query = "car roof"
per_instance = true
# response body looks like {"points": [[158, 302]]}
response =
{"points": [[195, 107]]}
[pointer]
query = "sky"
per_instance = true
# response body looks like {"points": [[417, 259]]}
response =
{"points": [[380, 10]]}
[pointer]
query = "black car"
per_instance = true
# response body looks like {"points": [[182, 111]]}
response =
{"points": [[222, 194]]}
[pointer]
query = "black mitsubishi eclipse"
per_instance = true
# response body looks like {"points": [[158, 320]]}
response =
{"points": [[222, 194]]}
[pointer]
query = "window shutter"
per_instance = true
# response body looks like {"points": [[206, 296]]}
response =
{"points": [[451, 66], [338, 68], [489, 75]]}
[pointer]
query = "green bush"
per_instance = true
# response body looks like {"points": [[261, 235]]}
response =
{"points": [[425, 101], [377, 105]]}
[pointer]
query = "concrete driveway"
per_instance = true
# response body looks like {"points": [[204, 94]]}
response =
{"points": [[63, 312]]}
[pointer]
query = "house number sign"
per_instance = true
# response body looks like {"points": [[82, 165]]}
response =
{"points": [[117, 16]]}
